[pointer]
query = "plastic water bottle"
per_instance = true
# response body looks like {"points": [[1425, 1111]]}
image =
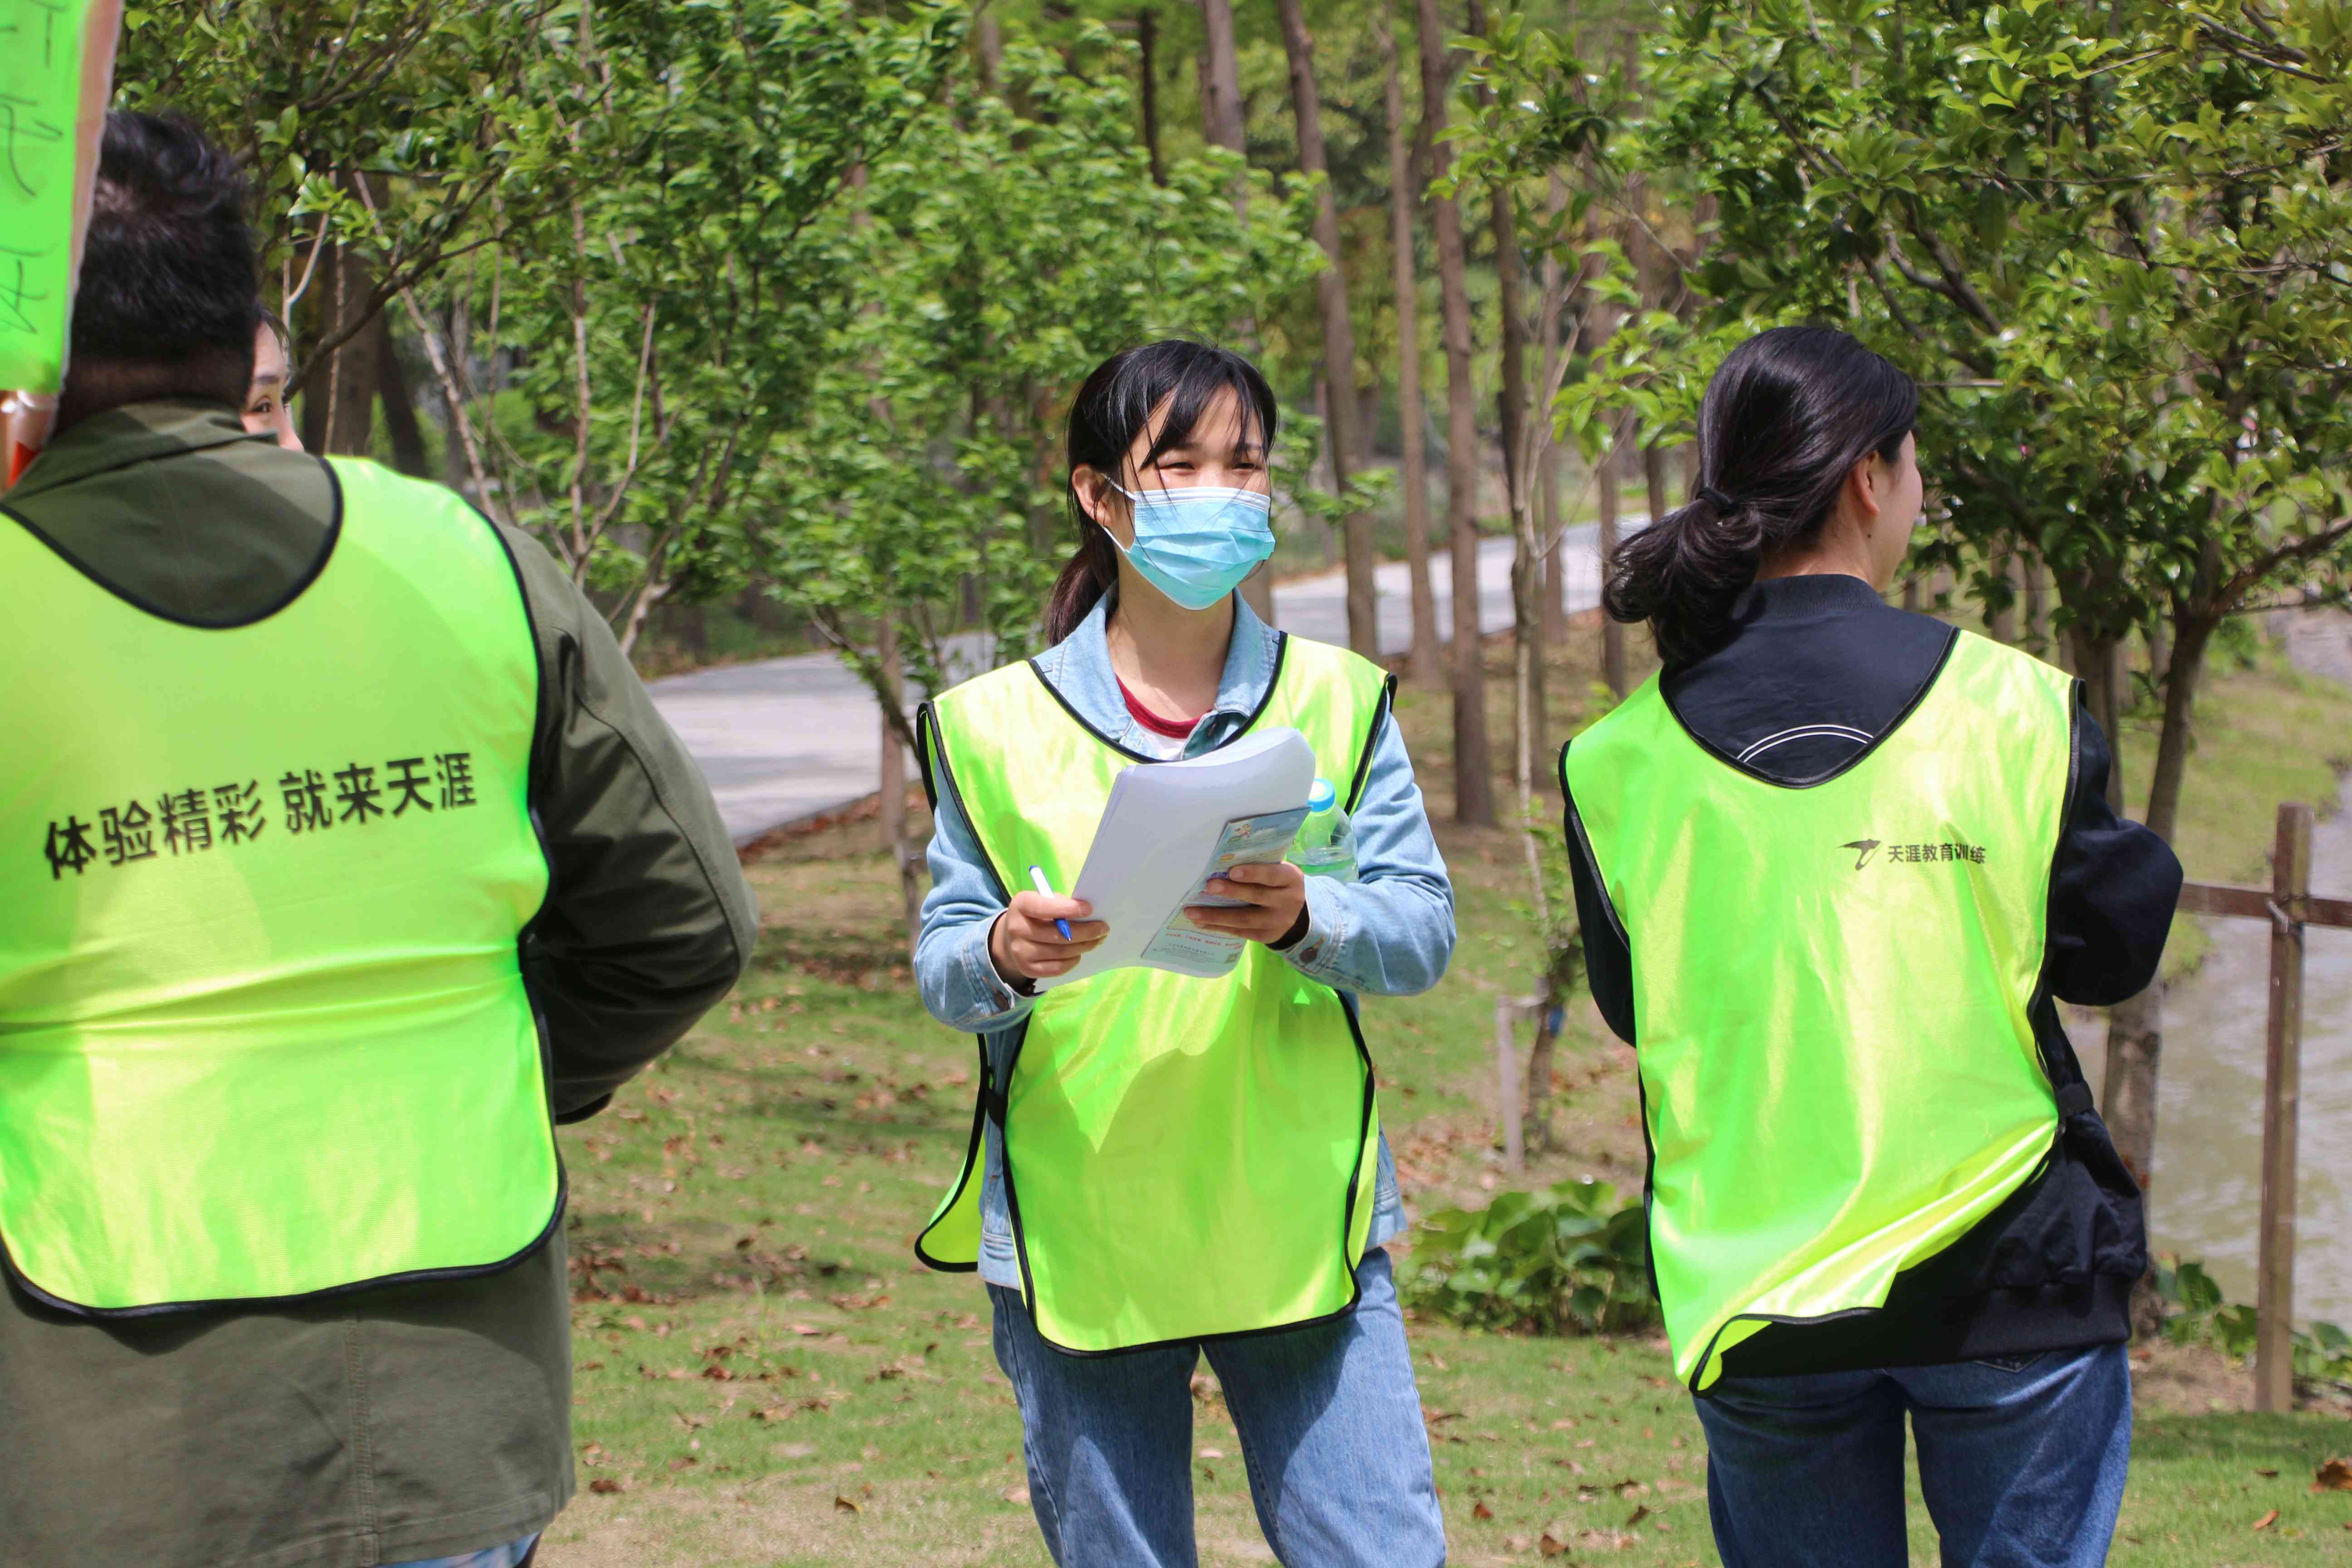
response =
{"points": [[1326, 845]]}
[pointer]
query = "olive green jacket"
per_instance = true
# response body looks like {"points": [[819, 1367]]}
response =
{"points": [[425, 1420]]}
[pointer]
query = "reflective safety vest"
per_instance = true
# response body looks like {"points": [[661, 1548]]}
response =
{"points": [[263, 1028], [1183, 1158], [1831, 985]]}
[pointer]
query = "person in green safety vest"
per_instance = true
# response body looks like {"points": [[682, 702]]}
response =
{"points": [[342, 855], [1836, 864], [1161, 1166]]}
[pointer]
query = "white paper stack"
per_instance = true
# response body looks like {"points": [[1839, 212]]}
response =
{"points": [[1169, 827]]}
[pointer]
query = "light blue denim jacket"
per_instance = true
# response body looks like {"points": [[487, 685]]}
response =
{"points": [[1389, 933]]}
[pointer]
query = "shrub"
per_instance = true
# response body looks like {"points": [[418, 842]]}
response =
{"points": [[1566, 1260], [2323, 1353]]}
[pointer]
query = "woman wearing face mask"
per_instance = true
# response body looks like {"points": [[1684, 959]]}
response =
{"points": [[1835, 867], [1164, 1167]]}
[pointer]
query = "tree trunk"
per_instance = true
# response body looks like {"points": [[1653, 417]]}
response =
{"points": [[400, 421], [1473, 763], [1599, 323], [1341, 436], [893, 781], [2136, 1028], [2099, 662], [1147, 40], [988, 43], [1404, 199], [1518, 479], [1555, 299], [1221, 111], [349, 372], [1613, 631], [1534, 1095], [1222, 124]]}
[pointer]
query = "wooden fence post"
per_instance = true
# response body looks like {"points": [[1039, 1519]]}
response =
{"points": [[2282, 1091]]}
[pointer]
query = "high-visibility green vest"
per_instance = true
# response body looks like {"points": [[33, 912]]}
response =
{"points": [[1831, 985], [263, 1028], [1183, 1158]]}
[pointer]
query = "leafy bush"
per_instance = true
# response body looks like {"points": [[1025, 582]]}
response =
{"points": [[1566, 1260], [2323, 1353]]}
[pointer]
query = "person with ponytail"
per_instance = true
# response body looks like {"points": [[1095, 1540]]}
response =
{"points": [[1163, 1167], [1836, 864]]}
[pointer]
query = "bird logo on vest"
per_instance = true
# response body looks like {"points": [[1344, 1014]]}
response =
{"points": [[1865, 848]]}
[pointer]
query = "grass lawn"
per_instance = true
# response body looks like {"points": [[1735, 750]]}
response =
{"points": [[765, 1377]]}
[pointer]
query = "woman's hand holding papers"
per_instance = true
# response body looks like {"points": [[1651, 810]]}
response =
{"points": [[1025, 945], [1275, 893]]}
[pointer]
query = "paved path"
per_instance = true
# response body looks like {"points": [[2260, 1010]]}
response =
{"points": [[786, 738]]}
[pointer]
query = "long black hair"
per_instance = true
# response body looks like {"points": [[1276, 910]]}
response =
{"points": [[1111, 410], [1788, 416]]}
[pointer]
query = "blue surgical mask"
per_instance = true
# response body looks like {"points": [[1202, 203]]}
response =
{"points": [[1196, 545]]}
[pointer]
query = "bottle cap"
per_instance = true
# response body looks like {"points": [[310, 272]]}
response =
{"points": [[1322, 797]]}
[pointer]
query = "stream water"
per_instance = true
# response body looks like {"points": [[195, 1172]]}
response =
{"points": [[2207, 1196]]}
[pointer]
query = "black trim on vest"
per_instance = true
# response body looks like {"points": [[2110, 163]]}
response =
{"points": [[538, 769], [1347, 1219], [534, 767], [1281, 647], [990, 1097], [1849, 765], [927, 721], [983, 1102], [329, 1293], [947, 776], [301, 587], [1380, 712], [2051, 1268]]}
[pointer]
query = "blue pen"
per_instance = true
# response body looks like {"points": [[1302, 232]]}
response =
{"points": [[1037, 880]]}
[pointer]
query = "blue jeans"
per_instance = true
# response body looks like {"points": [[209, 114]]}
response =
{"points": [[2020, 1461], [513, 1554], [1330, 1428]]}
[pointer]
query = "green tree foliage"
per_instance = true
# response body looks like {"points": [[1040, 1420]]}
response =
{"points": [[1009, 243], [320, 98], [2107, 239], [622, 364]]}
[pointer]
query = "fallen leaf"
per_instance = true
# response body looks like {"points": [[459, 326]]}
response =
{"points": [[2267, 1475], [2267, 1520], [803, 1330], [1480, 1511], [1550, 1546], [845, 1505], [2335, 1475], [607, 1484], [1016, 1494], [1640, 1513], [1213, 1453], [682, 1461]]}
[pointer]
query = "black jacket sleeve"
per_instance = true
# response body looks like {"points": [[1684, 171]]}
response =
{"points": [[1607, 959], [647, 922], [2113, 888]]}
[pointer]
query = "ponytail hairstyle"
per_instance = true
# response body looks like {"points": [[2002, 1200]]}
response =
{"points": [[1114, 407], [1788, 416]]}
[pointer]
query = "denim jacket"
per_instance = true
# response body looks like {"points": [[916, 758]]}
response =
{"points": [[1391, 932]]}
